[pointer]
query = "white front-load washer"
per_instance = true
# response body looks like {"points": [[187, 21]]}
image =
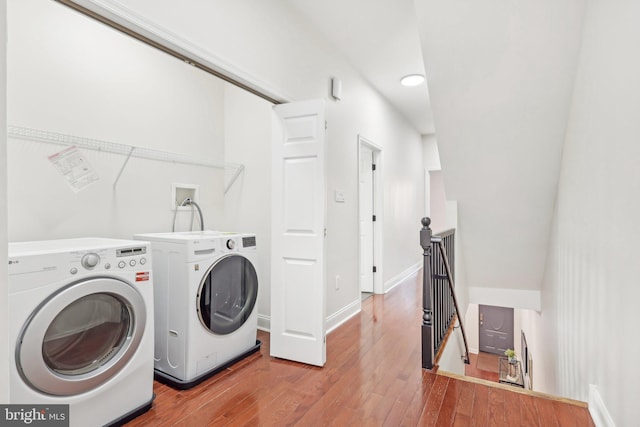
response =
{"points": [[81, 327], [206, 288]]}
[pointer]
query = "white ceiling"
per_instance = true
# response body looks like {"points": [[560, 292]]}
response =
{"points": [[380, 39], [500, 76], [501, 79]]}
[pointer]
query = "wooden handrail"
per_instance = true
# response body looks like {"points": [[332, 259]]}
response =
{"points": [[455, 300]]}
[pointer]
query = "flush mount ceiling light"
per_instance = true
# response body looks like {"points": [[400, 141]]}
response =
{"points": [[412, 80]]}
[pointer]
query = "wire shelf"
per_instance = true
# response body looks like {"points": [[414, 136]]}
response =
{"points": [[38, 135]]}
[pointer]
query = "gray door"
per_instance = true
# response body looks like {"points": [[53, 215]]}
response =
{"points": [[496, 329]]}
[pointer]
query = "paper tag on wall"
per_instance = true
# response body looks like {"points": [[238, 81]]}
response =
{"points": [[74, 167]]}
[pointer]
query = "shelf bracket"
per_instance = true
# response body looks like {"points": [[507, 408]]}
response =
{"points": [[123, 166], [239, 169]]}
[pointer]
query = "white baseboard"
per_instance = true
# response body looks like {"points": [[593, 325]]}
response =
{"points": [[401, 277], [344, 314], [598, 410], [474, 350], [264, 323], [333, 321]]}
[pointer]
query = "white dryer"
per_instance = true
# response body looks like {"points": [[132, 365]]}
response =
{"points": [[206, 288], [81, 327]]}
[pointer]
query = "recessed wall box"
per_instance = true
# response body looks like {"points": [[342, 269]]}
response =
{"points": [[179, 192]]}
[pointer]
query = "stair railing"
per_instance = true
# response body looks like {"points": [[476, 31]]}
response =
{"points": [[439, 302]]}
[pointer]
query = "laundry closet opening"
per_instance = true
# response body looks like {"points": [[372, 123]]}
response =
{"points": [[175, 52], [74, 78]]}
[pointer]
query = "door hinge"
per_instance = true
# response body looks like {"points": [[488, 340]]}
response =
{"points": [[375, 269], [374, 218], [373, 167], [326, 125]]}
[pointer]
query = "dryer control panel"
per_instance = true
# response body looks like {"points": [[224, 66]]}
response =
{"points": [[107, 258], [60, 260]]}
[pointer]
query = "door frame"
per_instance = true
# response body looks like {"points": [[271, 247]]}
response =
{"points": [[378, 204]]}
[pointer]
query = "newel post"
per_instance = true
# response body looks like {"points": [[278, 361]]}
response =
{"points": [[427, 296]]}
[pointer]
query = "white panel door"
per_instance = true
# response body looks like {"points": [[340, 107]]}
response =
{"points": [[298, 224], [366, 219]]}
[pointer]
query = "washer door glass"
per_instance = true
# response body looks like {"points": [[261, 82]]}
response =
{"points": [[227, 294], [81, 336], [86, 334]]}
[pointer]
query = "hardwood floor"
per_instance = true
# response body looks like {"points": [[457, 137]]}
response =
{"points": [[472, 370], [372, 377]]}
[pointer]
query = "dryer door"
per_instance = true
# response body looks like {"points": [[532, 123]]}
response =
{"points": [[81, 336], [227, 294]]}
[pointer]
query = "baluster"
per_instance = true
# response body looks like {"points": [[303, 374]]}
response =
{"points": [[427, 310]]}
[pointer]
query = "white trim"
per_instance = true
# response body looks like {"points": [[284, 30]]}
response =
{"points": [[404, 275], [597, 408], [517, 298], [264, 323], [333, 322], [378, 206], [344, 314], [474, 350]]}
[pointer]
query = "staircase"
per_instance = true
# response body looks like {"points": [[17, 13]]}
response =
{"points": [[462, 399]]}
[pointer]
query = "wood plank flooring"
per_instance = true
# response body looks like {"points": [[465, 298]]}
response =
{"points": [[372, 377], [472, 370]]}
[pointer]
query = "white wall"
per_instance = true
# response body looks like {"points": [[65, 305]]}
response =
{"points": [[430, 152], [542, 354], [68, 74], [403, 199], [472, 327], [500, 76], [444, 216], [265, 44], [247, 204], [590, 294], [4, 321], [271, 46], [438, 206], [451, 358], [431, 162]]}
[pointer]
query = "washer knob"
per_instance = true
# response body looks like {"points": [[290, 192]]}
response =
{"points": [[90, 260], [231, 244]]}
